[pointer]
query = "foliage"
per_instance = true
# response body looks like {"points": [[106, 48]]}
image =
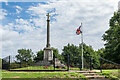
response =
{"points": [[112, 38], [39, 56], [73, 51], [75, 55], [97, 54], [25, 56], [57, 55], [14, 65], [110, 66]]}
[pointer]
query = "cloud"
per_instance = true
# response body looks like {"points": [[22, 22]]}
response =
{"points": [[18, 10], [12, 41], [70, 14], [19, 7], [65, 19], [3, 0], [3, 13], [1, 42]]}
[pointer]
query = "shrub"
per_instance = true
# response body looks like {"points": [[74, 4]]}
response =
{"points": [[110, 66], [14, 65]]}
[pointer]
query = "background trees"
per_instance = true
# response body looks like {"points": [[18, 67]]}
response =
{"points": [[39, 56], [25, 56], [112, 38], [75, 55], [73, 51]]}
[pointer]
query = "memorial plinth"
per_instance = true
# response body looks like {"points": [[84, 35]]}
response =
{"points": [[48, 54]]}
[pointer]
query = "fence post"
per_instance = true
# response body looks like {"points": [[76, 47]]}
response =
{"points": [[90, 63], [100, 65], [68, 63], [21, 64], [54, 61], [80, 63], [9, 63]]}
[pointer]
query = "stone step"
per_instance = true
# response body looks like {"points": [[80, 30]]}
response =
{"points": [[95, 77], [90, 74]]}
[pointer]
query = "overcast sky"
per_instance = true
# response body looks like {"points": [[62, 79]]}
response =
{"points": [[23, 24]]}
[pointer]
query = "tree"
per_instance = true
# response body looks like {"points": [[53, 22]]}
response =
{"points": [[39, 56], [97, 55], [100, 52], [75, 54], [25, 56], [112, 38], [56, 52], [89, 53]]}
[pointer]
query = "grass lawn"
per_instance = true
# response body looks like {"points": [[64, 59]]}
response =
{"points": [[38, 68], [44, 68], [111, 73], [42, 75]]}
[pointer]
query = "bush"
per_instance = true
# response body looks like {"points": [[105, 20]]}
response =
{"points": [[110, 66], [14, 65]]}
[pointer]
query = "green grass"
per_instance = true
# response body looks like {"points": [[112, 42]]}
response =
{"points": [[111, 73], [0, 74], [42, 75], [35, 68], [39, 68], [75, 69], [42, 68]]}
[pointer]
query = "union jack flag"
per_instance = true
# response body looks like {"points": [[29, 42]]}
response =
{"points": [[78, 31]]}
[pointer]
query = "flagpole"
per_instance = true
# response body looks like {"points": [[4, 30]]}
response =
{"points": [[82, 47]]}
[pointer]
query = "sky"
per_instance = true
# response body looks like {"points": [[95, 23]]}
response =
{"points": [[23, 23]]}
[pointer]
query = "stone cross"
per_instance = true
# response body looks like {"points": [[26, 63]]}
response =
{"points": [[48, 52], [48, 30]]}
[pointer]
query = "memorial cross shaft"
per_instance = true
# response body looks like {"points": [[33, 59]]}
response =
{"points": [[48, 30]]}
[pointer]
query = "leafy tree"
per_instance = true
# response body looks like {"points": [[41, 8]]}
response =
{"points": [[89, 53], [57, 55], [73, 51], [25, 56], [96, 59], [100, 52], [75, 54], [112, 38], [39, 56]]}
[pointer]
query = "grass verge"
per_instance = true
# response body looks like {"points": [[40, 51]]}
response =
{"points": [[113, 74], [42, 75]]}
